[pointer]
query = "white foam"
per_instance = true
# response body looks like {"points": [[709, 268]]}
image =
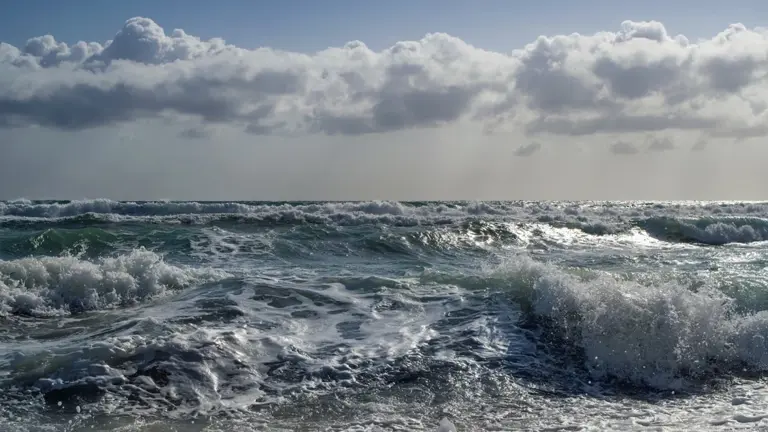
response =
{"points": [[725, 231], [55, 285], [654, 334], [446, 426]]}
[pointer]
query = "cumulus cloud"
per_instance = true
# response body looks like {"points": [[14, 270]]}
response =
{"points": [[639, 78], [528, 149]]}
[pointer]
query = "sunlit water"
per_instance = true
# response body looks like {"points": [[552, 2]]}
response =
{"points": [[378, 316]]}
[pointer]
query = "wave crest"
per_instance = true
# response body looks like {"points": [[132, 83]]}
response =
{"points": [[67, 284], [708, 230], [654, 334]]}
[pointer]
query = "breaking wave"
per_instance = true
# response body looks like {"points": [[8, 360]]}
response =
{"points": [[43, 286], [658, 333], [708, 230]]}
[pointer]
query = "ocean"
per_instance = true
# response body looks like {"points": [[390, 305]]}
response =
{"points": [[383, 316]]}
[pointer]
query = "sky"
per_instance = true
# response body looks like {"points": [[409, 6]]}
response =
{"points": [[303, 100]]}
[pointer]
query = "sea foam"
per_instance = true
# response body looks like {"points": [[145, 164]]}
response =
{"points": [[659, 334], [67, 284]]}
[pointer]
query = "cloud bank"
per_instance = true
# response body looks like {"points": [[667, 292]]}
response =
{"points": [[637, 79]]}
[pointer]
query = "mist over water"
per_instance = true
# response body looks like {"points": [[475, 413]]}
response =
{"points": [[369, 316]]}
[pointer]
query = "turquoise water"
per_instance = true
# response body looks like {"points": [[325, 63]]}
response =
{"points": [[382, 315]]}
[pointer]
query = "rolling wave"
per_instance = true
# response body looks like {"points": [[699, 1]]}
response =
{"points": [[707, 223], [663, 333], [708, 230]]}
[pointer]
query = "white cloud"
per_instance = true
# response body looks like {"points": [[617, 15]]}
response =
{"points": [[637, 79]]}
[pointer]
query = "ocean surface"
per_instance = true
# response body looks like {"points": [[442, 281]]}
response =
{"points": [[379, 316]]}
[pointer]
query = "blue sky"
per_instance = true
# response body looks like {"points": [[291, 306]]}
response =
{"points": [[306, 25]]}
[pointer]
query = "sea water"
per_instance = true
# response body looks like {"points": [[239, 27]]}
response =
{"points": [[379, 316]]}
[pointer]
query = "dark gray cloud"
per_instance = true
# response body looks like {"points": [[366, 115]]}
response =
{"points": [[638, 79], [408, 98], [548, 86], [730, 74], [91, 104]]}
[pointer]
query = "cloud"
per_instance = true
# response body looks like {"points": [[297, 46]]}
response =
{"points": [[639, 78], [623, 148], [620, 123], [528, 149], [660, 144]]}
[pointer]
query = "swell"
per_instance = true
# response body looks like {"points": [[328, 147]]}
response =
{"points": [[704, 223], [264, 218], [89, 241], [594, 217], [59, 209], [93, 236]]}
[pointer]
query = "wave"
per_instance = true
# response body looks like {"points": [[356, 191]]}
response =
{"points": [[708, 230], [88, 241], [592, 217], [597, 218], [47, 286], [657, 334], [268, 216], [486, 222], [42, 209]]}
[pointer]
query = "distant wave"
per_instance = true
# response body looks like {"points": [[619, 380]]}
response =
{"points": [[578, 211], [708, 230], [705, 223], [43, 209]]}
